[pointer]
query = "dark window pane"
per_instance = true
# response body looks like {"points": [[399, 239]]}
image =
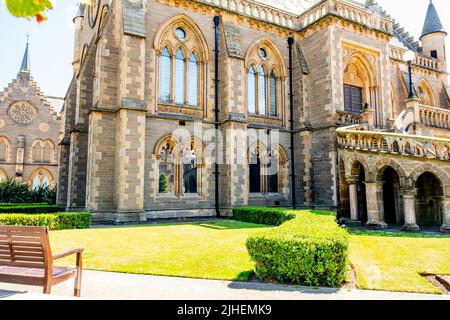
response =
{"points": [[255, 176], [190, 178]]}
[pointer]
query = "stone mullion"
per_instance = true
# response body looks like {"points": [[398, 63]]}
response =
{"points": [[172, 79], [257, 93], [186, 81]]}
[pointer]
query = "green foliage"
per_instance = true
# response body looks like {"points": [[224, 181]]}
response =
{"points": [[55, 221], [29, 8], [44, 194], [163, 184], [263, 215], [74, 220], [29, 208], [14, 191], [307, 249]]}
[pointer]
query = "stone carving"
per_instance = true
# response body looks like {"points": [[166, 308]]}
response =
{"points": [[22, 112]]}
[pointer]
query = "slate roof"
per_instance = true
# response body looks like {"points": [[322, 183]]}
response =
{"points": [[432, 21]]}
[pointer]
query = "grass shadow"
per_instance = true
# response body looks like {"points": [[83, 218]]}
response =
{"points": [[395, 234]]}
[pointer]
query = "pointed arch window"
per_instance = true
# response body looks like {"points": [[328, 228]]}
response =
{"points": [[267, 173], [262, 92], [193, 81], [180, 80], [255, 174], [252, 91], [184, 56], [273, 94], [190, 171], [165, 75], [180, 168]]}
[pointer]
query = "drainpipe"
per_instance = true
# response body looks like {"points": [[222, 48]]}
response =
{"points": [[216, 111], [291, 103]]}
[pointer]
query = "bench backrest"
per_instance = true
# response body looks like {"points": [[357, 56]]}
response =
{"points": [[25, 247]]}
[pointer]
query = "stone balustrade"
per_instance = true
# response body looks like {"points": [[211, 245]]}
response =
{"points": [[396, 53], [359, 14], [426, 62], [258, 11], [356, 138], [347, 119], [345, 9], [434, 117], [420, 60]]}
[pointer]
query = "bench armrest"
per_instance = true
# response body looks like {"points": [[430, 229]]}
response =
{"points": [[68, 253]]}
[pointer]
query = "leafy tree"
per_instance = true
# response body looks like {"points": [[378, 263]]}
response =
{"points": [[163, 184]]}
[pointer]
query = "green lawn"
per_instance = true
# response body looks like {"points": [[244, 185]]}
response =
{"points": [[217, 251], [395, 263], [198, 250]]}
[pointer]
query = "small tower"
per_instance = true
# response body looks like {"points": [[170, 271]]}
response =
{"points": [[78, 21], [24, 72], [433, 37]]}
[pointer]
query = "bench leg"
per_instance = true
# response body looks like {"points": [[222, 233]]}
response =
{"points": [[47, 288], [77, 290]]}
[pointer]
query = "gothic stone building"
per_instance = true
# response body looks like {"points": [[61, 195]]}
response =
{"points": [[309, 98], [29, 131]]}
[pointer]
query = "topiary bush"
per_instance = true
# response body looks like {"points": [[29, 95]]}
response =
{"points": [[55, 221], [263, 215], [14, 191], [307, 249]]}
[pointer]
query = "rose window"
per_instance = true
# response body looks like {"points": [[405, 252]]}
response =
{"points": [[22, 112]]}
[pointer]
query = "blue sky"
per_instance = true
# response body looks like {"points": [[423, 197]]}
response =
{"points": [[51, 42]]}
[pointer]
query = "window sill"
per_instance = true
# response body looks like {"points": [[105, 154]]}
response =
{"points": [[267, 196], [174, 105], [187, 196]]}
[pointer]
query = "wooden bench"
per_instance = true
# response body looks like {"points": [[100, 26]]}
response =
{"points": [[26, 258]]}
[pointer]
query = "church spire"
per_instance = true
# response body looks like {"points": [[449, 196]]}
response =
{"points": [[26, 59], [432, 21]]}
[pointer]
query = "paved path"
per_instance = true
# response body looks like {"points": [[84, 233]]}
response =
{"points": [[117, 286]]}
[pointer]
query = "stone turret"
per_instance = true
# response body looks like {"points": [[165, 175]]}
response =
{"points": [[78, 21], [433, 37]]}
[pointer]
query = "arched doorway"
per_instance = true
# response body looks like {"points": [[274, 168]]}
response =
{"points": [[391, 196], [429, 201]]}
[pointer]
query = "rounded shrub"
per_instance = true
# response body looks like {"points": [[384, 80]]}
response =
{"points": [[306, 249]]}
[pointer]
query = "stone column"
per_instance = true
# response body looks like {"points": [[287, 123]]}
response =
{"points": [[446, 213], [409, 205], [375, 207], [353, 193]]}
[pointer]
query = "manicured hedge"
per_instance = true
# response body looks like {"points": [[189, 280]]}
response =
{"points": [[29, 208], [55, 221], [309, 249], [263, 215]]}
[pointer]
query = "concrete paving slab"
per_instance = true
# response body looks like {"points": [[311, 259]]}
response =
{"points": [[116, 286]]}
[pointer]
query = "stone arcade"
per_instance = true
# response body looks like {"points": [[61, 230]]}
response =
{"points": [[154, 78]]}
